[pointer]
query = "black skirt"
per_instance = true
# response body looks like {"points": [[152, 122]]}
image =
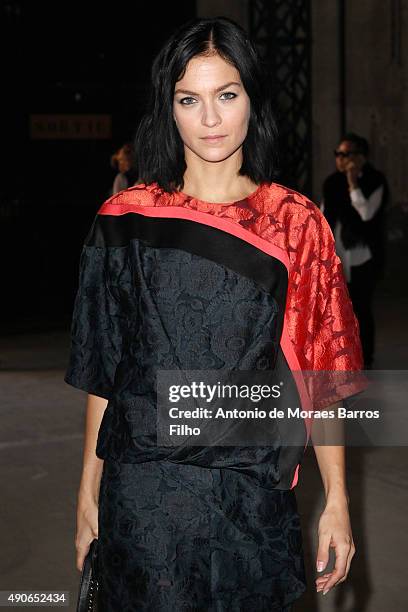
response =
{"points": [[178, 538]]}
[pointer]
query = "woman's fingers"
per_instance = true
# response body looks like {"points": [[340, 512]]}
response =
{"points": [[339, 572], [82, 551], [349, 558], [323, 552], [334, 532], [322, 559], [322, 581], [87, 530]]}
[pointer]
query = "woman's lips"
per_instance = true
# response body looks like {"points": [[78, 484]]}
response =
{"points": [[213, 138]]}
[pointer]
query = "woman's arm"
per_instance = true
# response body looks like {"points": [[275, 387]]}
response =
{"points": [[87, 509], [92, 465], [332, 465], [334, 525]]}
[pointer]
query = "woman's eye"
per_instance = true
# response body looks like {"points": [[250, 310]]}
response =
{"points": [[185, 102], [229, 93], [182, 100]]}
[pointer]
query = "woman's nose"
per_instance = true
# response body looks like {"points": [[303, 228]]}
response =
{"points": [[210, 115]]}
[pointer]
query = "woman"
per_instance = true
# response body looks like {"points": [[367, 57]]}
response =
{"points": [[123, 161], [205, 265]]}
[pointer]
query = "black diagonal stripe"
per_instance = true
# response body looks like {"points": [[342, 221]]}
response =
{"points": [[209, 242]]}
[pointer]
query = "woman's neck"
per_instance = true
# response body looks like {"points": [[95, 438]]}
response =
{"points": [[217, 191], [216, 181]]}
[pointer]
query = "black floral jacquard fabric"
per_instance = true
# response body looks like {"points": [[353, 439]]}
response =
{"points": [[187, 539], [140, 309], [100, 319]]}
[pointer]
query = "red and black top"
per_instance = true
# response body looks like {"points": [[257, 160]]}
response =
{"points": [[168, 281]]}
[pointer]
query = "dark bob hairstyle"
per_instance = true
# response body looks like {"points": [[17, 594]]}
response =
{"points": [[158, 146]]}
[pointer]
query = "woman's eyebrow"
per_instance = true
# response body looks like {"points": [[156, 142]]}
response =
{"points": [[186, 91]]}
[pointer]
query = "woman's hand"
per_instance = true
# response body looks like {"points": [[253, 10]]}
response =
{"points": [[334, 532], [87, 528]]}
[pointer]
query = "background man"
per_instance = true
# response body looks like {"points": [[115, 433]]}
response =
{"points": [[354, 202]]}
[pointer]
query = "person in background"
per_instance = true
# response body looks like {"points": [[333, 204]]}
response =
{"points": [[354, 202], [122, 161]]}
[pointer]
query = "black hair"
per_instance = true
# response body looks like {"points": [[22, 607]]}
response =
{"points": [[159, 149], [360, 143]]}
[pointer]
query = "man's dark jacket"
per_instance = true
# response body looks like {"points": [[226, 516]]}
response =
{"points": [[355, 231]]}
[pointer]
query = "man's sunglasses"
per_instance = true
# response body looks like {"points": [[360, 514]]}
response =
{"points": [[344, 154]]}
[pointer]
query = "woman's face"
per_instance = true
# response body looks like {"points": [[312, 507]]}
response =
{"points": [[124, 161], [210, 100]]}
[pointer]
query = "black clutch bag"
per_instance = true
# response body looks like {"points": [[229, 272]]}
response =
{"points": [[88, 587]]}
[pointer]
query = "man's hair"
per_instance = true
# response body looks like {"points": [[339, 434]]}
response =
{"points": [[360, 143], [160, 149]]}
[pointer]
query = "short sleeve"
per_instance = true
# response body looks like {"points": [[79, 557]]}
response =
{"points": [[337, 352], [336, 336], [99, 319]]}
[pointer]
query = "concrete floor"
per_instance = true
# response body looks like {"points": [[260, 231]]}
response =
{"points": [[41, 452]]}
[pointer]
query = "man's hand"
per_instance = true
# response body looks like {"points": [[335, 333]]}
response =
{"points": [[334, 532], [353, 169]]}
